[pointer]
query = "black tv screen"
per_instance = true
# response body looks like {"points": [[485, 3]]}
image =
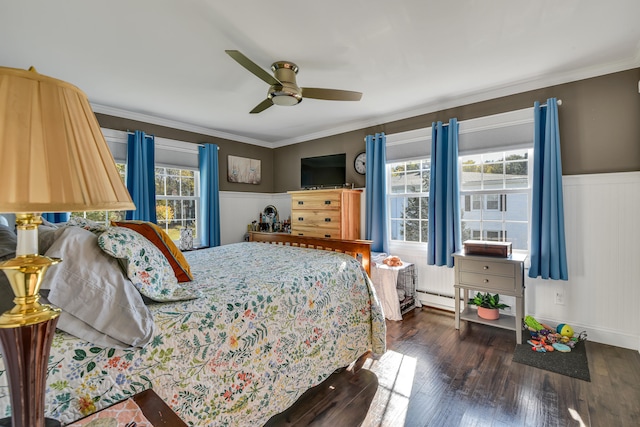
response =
{"points": [[323, 171]]}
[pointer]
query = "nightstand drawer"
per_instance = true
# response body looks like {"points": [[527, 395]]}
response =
{"points": [[496, 283], [487, 267]]}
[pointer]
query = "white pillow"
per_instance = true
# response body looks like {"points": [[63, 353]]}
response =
{"points": [[99, 304]]}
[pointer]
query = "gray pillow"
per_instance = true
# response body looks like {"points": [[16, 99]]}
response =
{"points": [[8, 242], [99, 304], [46, 236]]}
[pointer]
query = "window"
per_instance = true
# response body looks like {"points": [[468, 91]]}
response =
{"points": [[495, 197], [494, 191], [177, 200], [408, 200], [104, 217]]}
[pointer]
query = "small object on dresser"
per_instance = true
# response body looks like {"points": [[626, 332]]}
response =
{"points": [[186, 239], [392, 261], [487, 248]]}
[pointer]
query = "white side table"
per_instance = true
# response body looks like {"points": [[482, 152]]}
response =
{"points": [[504, 276]]}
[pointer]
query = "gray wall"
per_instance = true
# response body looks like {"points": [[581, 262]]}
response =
{"points": [[227, 147], [599, 133], [599, 128]]}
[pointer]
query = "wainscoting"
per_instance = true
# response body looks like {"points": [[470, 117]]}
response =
{"points": [[238, 209], [602, 225]]}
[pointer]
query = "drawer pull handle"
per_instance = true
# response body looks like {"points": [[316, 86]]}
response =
{"points": [[327, 202], [300, 202], [327, 220], [300, 218], [486, 280], [300, 234], [327, 235], [486, 267]]}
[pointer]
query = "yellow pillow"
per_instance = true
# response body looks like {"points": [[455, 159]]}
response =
{"points": [[162, 241]]}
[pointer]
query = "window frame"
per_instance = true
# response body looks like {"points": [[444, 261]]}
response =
{"points": [[171, 198], [502, 199], [479, 196], [422, 223]]}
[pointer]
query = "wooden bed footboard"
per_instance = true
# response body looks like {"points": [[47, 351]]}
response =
{"points": [[359, 249]]}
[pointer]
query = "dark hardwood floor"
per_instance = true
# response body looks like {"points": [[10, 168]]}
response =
{"points": [[433, 375]]}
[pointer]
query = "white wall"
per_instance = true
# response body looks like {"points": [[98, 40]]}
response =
{"points": [[602, 216], [602, 232], [238, 209], [601, 297]]}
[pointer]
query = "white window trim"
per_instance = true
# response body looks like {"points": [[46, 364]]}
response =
{"points": [[117, 142], [520, 122]]}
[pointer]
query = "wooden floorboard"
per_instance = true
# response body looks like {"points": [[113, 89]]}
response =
{"points": [[434, 375]]}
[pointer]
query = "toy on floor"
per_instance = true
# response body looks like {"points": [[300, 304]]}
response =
{"points": [[544, 338], [562, 347], [565, 330], [540, 346]]}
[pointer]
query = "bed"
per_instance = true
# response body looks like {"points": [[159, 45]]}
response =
{"points": [[256, 327]]}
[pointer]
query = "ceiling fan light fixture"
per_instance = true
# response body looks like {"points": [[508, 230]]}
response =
{"points": [[283, 88], [285, 100], [283, 97]]}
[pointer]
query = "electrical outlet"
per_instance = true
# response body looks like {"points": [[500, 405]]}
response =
{"points": [[560, 296]]}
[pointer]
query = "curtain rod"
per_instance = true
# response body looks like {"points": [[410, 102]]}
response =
{"points": [[194, 143], [460, 122], [545, 104]]}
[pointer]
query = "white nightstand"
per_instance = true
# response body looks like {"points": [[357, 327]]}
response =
{"points": [[504, 276]]}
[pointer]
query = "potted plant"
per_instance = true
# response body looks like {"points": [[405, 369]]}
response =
{"points": [[488, 305]]}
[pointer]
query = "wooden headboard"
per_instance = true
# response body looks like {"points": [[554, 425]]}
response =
{"points": [[359, 249]]}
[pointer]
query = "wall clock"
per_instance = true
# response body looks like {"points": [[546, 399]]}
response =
{"points": [[360, 164]]}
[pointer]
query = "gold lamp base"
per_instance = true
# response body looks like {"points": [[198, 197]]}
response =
{"points": [[26, 333], [25, 275]]}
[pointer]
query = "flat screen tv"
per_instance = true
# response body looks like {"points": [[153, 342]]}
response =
{"points": [[323, 171]]}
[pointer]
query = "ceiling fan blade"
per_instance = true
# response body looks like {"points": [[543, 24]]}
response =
{"points": [[330, 94], [252, 67], [262, 106]]}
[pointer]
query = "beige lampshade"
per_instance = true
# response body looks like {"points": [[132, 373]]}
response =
{"points": [[53, 156]]}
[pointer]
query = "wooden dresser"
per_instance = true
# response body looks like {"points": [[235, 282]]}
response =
{"points": [[331, 213]]}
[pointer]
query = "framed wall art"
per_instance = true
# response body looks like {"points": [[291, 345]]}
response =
{"points": [[243, 170]]}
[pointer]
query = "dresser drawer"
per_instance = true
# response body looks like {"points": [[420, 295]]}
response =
{"points": [[487, 267], [332, 233], [315, 201], [496, 283], [316, 218]]}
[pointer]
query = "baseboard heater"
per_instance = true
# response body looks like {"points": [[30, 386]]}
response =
{"points": [[437, 300], [435, 294]]}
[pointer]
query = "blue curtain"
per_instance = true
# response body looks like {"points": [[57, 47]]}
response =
{"points": [[375, 192], [548, 248], [209, 198], [56, 217], [444, 195], [141, 181]]}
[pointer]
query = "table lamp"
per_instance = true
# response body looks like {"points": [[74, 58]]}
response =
{"points": [[53, 158]]}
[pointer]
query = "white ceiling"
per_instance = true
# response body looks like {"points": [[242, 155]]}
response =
{"points": [[163, 61]]}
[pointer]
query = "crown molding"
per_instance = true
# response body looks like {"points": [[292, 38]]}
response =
{"points": [[454, 101], [175, 124]]}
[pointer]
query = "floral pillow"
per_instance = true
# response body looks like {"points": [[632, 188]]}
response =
{"points": [[146, 266], [96, 228]]}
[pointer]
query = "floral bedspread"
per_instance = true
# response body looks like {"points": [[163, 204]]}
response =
{"points": [[272, 322]]}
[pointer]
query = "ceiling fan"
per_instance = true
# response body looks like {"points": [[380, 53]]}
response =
{"points": [[283, 88]]}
